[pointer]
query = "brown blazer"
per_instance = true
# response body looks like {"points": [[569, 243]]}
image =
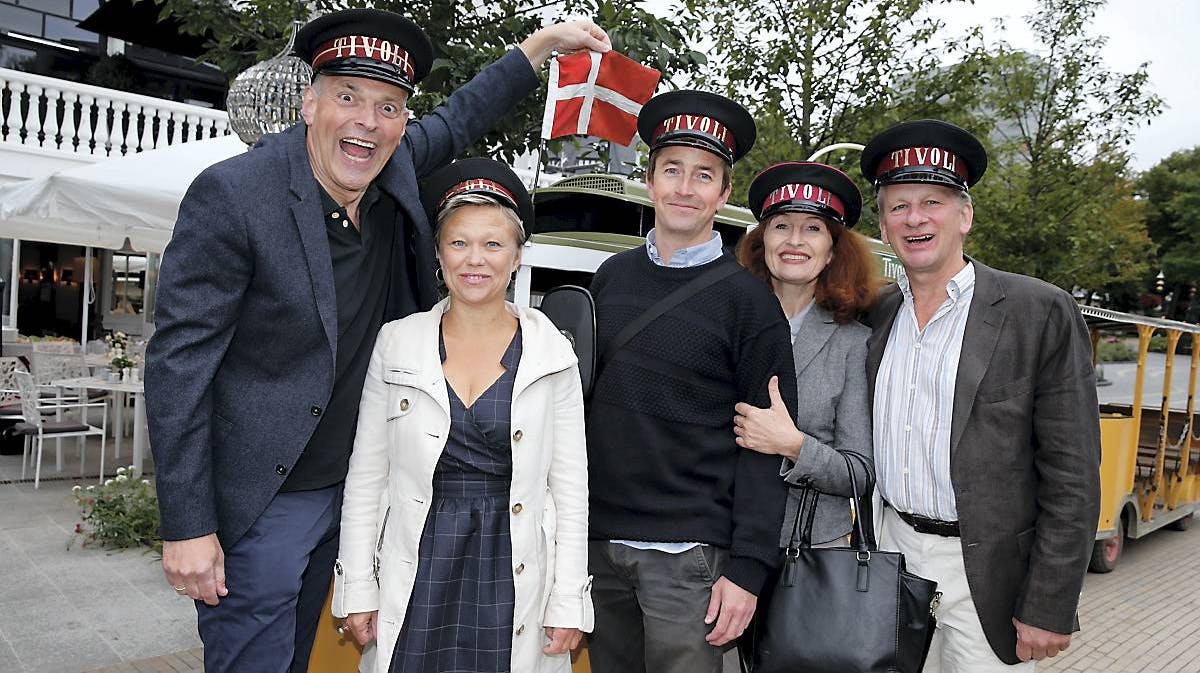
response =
{"points": [[1024, 450]]}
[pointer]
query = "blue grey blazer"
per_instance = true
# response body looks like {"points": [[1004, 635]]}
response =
{"points": [[833, 411], [242, 363]]}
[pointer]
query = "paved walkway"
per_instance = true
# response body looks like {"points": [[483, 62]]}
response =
{"points": [[1144, 617], [69, 609]]}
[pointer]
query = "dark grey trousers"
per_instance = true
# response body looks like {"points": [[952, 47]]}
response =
{"points": [[650, 608]]}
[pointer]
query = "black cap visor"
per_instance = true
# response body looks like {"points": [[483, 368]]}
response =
{"points": [[922, 174], [370, 69], [803, 206], [694, 139]]}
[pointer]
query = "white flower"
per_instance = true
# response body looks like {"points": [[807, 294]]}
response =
{"points": [[146, 482], [108, 482], [120, 470], [91, 487], [76, 488], [130, 468], [121, 477]]}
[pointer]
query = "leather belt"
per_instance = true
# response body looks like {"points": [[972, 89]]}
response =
{"points": [[929, 526]]}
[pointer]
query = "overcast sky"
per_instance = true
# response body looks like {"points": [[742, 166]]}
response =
{"points": [[1165, 33], [1161, 32]]}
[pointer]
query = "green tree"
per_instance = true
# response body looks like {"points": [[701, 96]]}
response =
{"points": [[819, 72], [1171, 191], [465, 36], [1057, 201]]}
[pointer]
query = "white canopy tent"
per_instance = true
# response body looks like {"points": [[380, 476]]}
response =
{"points": [[101, 204], [128, 201]]}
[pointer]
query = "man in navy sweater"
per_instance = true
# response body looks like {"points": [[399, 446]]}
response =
{"points": [[684, 524]]}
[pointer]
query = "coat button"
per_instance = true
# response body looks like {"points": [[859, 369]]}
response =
{"points": [[520, 630], [280, 470], [519, 569], [315, 410], [518, 435], [403, 405], [337, 567], [517, 508]]}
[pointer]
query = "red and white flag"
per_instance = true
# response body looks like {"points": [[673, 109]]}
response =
{"points": [[597, 95]]}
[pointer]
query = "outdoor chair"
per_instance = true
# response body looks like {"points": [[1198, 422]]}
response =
{"points": [[37, 429], [10, 397]]}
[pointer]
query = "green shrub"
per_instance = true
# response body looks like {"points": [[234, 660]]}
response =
{"points": [[121, 514], [1115, 350]]}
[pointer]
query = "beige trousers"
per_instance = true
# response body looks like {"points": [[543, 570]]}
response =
{"points": [[959, 645]]}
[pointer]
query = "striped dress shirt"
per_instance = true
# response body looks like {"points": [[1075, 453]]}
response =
{"points": [[914, 402]]}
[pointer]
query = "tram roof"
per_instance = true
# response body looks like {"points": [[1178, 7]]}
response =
{"points": [[1106, 318]]}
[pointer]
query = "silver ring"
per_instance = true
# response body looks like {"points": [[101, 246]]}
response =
{"points": [[180, 589]]}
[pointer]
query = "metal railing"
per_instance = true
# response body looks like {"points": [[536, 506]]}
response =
{"points": [[55, 114]]}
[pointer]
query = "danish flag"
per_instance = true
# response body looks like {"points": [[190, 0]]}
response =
{"points": [[597, 95]]}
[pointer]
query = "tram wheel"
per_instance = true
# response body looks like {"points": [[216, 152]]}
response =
{"points": [[1181, 524], [1106, 552]]}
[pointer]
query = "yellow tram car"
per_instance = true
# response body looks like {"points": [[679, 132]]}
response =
{"points": [[1149, 464]]}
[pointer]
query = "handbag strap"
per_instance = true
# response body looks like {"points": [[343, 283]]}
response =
{"points": [[656, 310], [808, 508]]}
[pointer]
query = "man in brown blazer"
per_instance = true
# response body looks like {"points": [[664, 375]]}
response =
{"points": [[986, 427]]}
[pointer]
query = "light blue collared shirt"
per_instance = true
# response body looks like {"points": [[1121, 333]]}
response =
{"points": [[701, 253], [683, 258]]}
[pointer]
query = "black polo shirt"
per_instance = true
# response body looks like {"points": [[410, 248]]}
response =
{"points": [[364, 268]]}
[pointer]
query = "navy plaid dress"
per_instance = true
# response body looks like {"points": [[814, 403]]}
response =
{"points": [[460, 616]]}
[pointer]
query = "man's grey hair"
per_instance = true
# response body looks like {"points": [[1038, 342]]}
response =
{"points": [[456, 202]]}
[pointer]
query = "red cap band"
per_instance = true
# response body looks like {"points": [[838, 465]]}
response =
{"points": [[699, 124], [475, 186], [804, 192], [922, 157], [360, 46]]}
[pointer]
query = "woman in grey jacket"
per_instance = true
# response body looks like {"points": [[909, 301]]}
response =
{"points": [[824, 275]]}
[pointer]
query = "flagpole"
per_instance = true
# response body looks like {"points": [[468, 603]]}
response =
{"points": [[537, 177]]}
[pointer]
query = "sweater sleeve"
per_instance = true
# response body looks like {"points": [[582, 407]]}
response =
{"points": [[759, 494]]}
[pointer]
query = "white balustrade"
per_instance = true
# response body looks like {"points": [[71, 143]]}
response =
{"points": [[66, 116]]}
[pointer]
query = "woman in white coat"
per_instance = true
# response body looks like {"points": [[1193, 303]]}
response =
{"points": [[464, 524]]}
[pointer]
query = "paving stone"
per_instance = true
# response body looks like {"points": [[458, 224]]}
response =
{"points": [[47, 654]]}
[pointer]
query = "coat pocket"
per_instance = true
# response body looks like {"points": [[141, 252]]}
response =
{"points": [[377, 564], [1006, 391]]}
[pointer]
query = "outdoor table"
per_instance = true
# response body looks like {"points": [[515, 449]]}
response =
{"points": [[137, 391]]}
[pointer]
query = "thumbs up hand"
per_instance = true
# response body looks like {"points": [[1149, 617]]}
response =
{"points": [[770, 430]]}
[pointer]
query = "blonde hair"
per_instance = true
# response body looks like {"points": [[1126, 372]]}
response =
{"points": [[461, 200]]}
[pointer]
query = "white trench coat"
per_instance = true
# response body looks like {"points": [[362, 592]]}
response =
{"points": [[402, 428]]}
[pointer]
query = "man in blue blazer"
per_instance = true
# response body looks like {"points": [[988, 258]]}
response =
{"points": [[284, 263]]}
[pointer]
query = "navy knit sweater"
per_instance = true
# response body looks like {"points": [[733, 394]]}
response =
{"points": [[662, 459]]}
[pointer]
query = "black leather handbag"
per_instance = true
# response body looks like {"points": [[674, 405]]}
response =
{"points": [[842, 610]]}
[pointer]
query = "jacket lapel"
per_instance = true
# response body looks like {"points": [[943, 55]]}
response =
{"points": [[402, 187], [814, 332], [982, 331], [306, 211], [882, 318]]}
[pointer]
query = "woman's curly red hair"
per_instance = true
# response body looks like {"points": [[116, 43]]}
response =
{"points": [[847, 285]]}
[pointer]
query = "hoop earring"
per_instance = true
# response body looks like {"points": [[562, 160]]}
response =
{"points": [[437, 274]]}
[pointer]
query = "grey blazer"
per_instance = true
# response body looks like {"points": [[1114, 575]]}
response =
{"points": [[1024, 450], [242, 364], [833, 411]]}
